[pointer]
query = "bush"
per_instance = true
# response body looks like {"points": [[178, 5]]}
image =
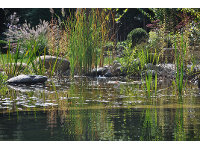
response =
{"points": [[156, 42], [137, 36], [25, 35], [3, 43]]}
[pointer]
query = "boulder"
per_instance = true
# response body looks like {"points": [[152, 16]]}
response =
{"points": [[108, 74], [119, 71], [151, 73], [62, 64], [99, 71], [27, 79], [150, 66], [115, 61], [115, 66]]}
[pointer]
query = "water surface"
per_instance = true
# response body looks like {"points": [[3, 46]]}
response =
{"points": [[94, 109]]}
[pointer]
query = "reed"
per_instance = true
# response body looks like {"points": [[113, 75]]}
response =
{"points": [[12, 60], [149, 78], [180, 57], [85, 36], [9, 64]]}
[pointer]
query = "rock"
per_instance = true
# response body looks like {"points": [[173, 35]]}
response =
{"points": [[62, 64], [66, 73], [99, 71], [108, 74], [150, 66], [27, 79], [115, 61], [119, 71], [115, 66], [151, 72]]}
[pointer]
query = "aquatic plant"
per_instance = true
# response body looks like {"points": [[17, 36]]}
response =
{"points": [[83, 37], [180, 56], [149, 75]]}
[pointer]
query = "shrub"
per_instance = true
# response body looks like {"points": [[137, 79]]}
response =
{"points": [[137, 36], [3, 43], [25, 35]]}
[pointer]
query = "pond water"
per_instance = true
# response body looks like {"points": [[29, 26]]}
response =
{"points": [[98, 109]]}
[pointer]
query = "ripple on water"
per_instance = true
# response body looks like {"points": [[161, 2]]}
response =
{"points": [[29, 106], [6, 103]]}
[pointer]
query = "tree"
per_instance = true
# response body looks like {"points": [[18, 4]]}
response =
{"points": [[131, 19]]}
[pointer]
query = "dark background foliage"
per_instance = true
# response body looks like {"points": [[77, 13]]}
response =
{"points": [[32, 15], [132, 19]]}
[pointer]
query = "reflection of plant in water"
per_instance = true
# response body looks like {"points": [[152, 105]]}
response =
{"points": [[179, 134], [150, 128]]}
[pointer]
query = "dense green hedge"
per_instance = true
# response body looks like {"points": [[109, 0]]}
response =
{"points": [[137, 36]]}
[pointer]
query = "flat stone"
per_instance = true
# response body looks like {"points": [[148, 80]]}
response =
{"points": [[27, 79]]}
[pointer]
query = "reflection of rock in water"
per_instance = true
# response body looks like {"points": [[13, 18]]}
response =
{"points": [[27, 88]]}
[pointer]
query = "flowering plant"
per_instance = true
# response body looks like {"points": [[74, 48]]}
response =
{"points": [[26, 35]]}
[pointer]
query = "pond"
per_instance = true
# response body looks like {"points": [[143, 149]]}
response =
{"points": [[98, 109]]}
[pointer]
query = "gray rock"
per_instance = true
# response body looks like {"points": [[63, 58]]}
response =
{"points": [[99, 71], [27, 79], [150, 66], [119, 71], [108, 74], [115, 61], [66, 73], [151, 72], [116, 65], [62, 64]]}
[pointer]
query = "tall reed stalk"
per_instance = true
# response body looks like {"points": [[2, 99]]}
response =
{"points": [[150, 85], [86, 33], [12, 60], [180, 57], [10, 64]]}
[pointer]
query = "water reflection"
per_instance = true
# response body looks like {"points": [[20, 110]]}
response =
{"points": [[98, 109]]}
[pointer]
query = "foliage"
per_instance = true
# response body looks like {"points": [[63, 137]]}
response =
{"points": [[138, 36], [33, 15], [3, 87], [119, 16], [154, 40], [12, 63], [3, 43], [180, 56], [25, 35], [83, 37], [3, 78]]}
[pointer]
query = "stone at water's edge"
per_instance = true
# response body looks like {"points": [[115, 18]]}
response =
{"points": [[27, 79], [99, 71]]}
